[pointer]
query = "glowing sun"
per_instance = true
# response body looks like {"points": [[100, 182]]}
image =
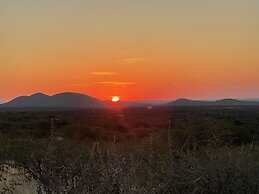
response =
{"points": [[115, 99]]}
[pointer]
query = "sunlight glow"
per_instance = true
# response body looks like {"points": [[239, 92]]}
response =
{"points": [[115, 99]]}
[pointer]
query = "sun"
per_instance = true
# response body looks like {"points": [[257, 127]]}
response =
{"points": [[115, 99]]}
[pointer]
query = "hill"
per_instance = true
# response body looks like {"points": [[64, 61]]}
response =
{"points": [[222, 102], [143, 103], [187, 102], [62, 100]]}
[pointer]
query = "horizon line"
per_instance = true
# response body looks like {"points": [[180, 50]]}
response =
{"points": [[137, 100]]}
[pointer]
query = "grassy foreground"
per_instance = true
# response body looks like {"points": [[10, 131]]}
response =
{"points": [[60, 167], [197, 153]]}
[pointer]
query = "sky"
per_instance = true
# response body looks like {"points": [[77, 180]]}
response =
{"points": [[135, 49]]}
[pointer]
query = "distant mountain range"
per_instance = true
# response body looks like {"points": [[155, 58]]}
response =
{"points": [[143, 103], [188, 102], [62, 100], [223, 102], [75, 100]]}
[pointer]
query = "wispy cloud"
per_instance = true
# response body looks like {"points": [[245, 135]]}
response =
{"points": [[132, 60], [78, 85], [98, 73], [114, 83], [78, 77]]}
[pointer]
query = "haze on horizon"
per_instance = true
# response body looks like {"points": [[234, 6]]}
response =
{"points": [[134, 49]]}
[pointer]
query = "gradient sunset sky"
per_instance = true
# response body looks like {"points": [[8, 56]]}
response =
{"points": [[136, 49]]}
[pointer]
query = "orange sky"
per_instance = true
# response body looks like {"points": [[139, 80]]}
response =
{"points": [[135, 49]]}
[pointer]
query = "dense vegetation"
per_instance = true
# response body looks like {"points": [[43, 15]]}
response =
{"points": [[159, 150]]}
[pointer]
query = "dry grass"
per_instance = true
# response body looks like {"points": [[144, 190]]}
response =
{"points": [[137, 167]]}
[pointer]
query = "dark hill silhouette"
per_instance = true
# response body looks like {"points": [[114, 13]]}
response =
{"points": [[76, 100], [223, 102], [62, 100], [187, 102], [143, 103], [229, 102]]}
